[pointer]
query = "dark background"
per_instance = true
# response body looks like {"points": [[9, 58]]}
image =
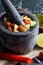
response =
{"points": [[35, 6]]}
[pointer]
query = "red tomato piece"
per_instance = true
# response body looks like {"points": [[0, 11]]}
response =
{"points": [[12, 26], [20, 28], [26, 21], [41, 55], [10, 29], [8, 23]]}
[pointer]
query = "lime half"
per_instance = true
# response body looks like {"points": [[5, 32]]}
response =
{"points": [[40, 40]]}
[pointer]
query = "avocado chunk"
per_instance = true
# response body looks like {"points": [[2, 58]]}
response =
{"points": [[32, 23], [15, 28]]}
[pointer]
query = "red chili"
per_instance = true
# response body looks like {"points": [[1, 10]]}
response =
{"points": [[13, 57]]}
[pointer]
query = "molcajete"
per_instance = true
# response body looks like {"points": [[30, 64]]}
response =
{"points": [[19, 42]]}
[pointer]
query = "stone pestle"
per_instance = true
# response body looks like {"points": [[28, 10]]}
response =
{"points": [[12, 12]]}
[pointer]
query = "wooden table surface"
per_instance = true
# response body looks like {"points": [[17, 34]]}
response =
{"points": [[31, 54]]}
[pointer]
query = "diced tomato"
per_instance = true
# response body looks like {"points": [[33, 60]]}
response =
{"points": [[10, 29], [8, 23], [20, 28], [41, 55], [26, 21], [12, 26]]}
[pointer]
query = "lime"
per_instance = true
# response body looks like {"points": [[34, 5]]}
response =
{"points": [[40, 40], [40, 18]]}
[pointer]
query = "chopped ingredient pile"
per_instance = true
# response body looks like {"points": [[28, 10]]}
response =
{"points": [[29, 23]]}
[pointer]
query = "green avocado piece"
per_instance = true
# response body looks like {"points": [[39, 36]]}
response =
{"points": [[32, 23], [28, 26], [15, 28]]}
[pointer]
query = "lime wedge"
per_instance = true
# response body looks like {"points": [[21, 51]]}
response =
{"points": [[40, 40]]}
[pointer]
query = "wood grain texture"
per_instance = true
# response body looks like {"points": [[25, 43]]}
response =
{"points": [[31, 54]]}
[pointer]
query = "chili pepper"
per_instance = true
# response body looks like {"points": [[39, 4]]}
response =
{"points": [[13, 57]]}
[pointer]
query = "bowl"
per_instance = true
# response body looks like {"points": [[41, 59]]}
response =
{"points": [[19, 42]]}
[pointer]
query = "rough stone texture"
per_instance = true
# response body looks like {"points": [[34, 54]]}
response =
{"points": [[20, 43]]}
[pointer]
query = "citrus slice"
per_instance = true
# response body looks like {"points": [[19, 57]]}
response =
{"points": [[40, 40]]}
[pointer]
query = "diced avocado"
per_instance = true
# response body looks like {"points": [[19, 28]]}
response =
{"points": [[22, 16], [29, 19], [24, 30], [32, 23], [28, 26], [15, 28]]}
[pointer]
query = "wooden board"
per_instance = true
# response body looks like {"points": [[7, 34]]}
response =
{"points": [[31, 54], [35, 52]]}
